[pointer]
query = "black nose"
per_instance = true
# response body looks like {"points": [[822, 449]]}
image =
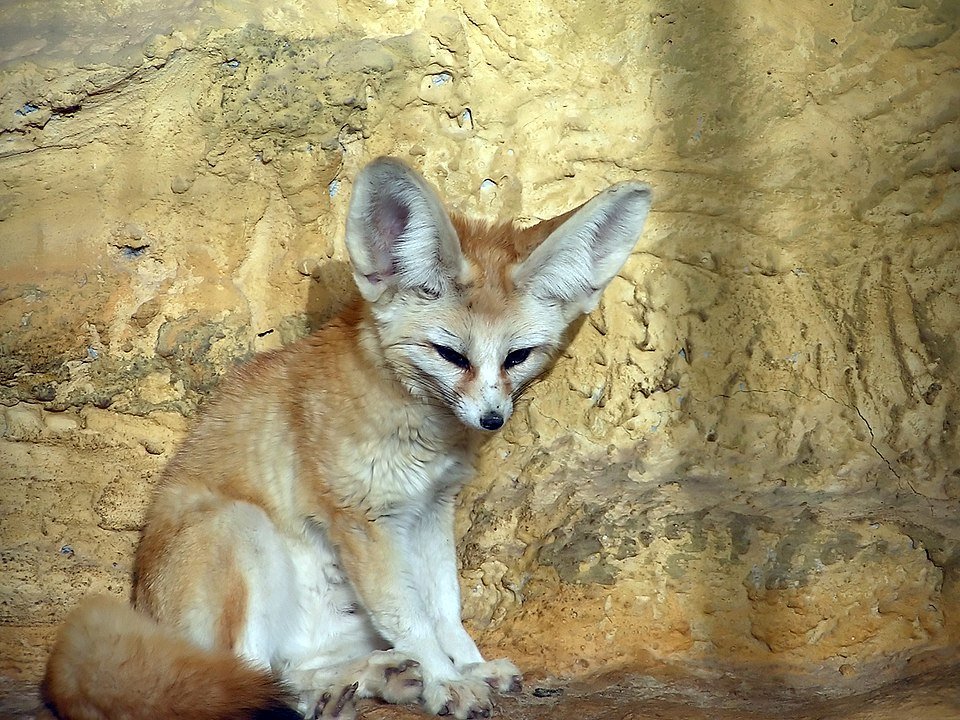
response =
{"points": [[491, 421]]}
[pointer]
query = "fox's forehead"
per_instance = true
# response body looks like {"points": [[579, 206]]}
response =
{"points": [[491, 243], [487, 310], [492, 250], [480, 319]]}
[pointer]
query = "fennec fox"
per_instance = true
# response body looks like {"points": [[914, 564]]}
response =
{"points": [[299, 552]]}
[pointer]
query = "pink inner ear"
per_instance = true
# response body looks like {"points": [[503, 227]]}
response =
{"points": [[605, 231], [390, 219], [378, 277]]}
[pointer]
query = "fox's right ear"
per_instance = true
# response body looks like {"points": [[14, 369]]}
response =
{"points": [[585, 249], [399, 234]]}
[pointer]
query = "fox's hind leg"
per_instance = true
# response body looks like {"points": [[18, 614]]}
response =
{"points": [[335, 655], [219, 572], [330, 692]]}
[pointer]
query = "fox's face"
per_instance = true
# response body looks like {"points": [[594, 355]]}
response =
{"points": [[476, 358], [469, 315]]}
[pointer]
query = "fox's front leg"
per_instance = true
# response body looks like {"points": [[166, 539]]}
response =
{"points": [[435, 563], [434, 559], [377, 556]]}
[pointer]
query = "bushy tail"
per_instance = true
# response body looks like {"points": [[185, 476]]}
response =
{"points": [[112, 662]]}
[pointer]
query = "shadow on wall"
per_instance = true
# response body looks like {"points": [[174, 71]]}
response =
{"points": [[331, 291], [799, 562], [725, 534]]}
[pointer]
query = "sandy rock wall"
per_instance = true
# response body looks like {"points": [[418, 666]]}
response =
{"points": [[749, 455]]}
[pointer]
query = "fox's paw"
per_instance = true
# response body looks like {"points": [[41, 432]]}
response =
{"points": [[336, 704], [502, 675], [464, 698], [392, 676]]}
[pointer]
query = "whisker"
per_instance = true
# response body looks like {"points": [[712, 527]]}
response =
{"points": [[436, 394], [523, 386]]}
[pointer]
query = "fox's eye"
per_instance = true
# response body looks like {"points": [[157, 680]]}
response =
{"points": [[515, 357], [452, 356]]}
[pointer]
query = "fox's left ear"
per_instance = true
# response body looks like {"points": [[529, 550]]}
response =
{"points": [[579, 258]]}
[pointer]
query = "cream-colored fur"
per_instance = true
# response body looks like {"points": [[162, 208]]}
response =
{"points": [[306, 526]]}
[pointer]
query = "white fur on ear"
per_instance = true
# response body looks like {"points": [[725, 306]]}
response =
{"points": [[578, 259], [398, 232]]}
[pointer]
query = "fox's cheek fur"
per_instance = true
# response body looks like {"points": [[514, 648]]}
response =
{"points": [[430, 377]]}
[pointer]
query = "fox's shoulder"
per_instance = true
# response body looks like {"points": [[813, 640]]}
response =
{"points": [[333, 342]]}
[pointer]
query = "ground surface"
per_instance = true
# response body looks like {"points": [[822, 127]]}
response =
{"points": [[928, 693]]}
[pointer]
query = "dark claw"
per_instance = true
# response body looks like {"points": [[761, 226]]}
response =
{"points": [[397, 669], [391, 670], [345, 697], [445, 710], [318, 710], [516, 684]]}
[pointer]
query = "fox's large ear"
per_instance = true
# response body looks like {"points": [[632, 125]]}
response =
{"points": [[398, 233], [579, 258]]}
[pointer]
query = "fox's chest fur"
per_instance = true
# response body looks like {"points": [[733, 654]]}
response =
{"points": [[399, 460]]}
